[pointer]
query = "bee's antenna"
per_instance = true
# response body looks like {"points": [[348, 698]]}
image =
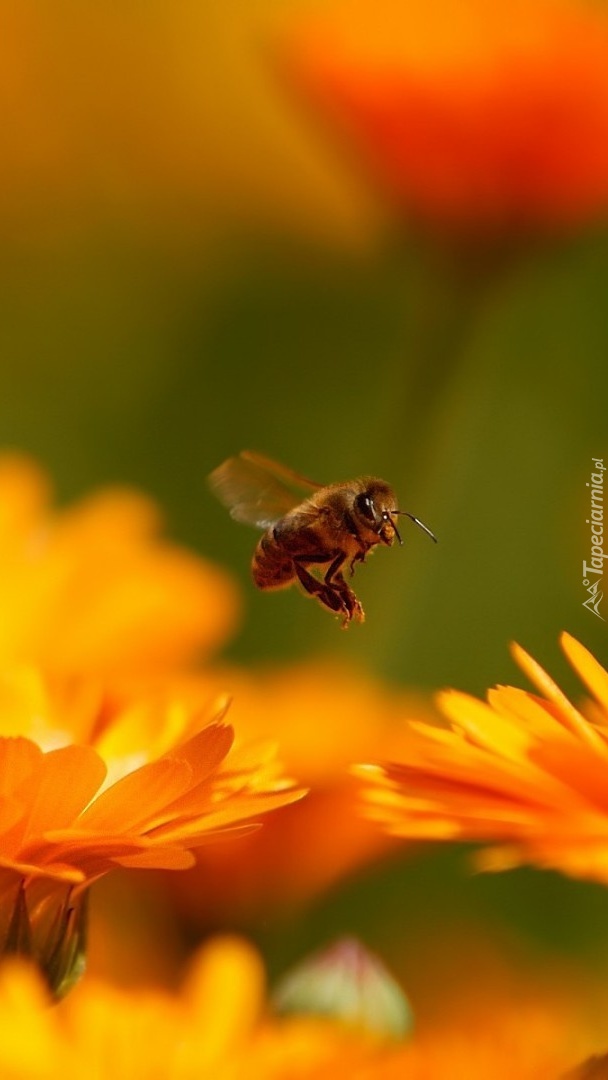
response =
{"points": [[418, 522], [386, 516]]}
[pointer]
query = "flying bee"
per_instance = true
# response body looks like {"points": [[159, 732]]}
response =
{"points": [[309, 525]]}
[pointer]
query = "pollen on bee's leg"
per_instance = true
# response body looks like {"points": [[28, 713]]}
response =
{"points": [[357, 614]]}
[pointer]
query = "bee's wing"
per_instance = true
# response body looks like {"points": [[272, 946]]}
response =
{"points": [[257, 490]]}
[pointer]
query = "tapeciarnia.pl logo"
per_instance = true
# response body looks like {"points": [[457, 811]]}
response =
{"points": [[593, 571]]}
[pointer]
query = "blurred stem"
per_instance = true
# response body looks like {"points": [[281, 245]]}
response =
{"points": [[447, 292]]}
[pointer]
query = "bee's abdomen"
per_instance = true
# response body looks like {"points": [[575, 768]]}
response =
{"points": [[271, 567]]}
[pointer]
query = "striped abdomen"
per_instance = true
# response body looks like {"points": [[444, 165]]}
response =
{"points": [[271, 567]]}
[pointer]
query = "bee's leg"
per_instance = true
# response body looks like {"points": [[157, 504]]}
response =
{"points": [[334, 568], [359, 557], [326, 594], [335, 580], [349, 599]]}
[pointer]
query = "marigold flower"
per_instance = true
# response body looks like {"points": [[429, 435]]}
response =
{"points": [[192, 133], [218, 1025], [94, 590], [474, 115], [70, 812], [524, 770]]}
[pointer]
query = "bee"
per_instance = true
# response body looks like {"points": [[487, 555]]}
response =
{"points": [[312, 533]]}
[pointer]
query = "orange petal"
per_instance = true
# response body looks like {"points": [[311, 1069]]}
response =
{"points": [[482, 726], [205, 751], [19, 760], [587, 667], [134, 802], [68, 780], [158, 858], [58, 870], [225, 992], [569, 716]]}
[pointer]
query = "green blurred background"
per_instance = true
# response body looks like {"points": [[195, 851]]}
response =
{"points": [[190, 267]]}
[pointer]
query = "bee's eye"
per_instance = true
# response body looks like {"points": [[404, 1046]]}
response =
{"points": [[365, 506]]}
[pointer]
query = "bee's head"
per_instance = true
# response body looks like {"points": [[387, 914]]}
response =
{"points": [[376, 510], [375, 507]]}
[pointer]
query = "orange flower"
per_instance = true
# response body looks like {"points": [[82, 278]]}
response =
{"points": [[94, 590], [218, 1025], [529, 772], [71, 813], [474, 115], [184, 138]]}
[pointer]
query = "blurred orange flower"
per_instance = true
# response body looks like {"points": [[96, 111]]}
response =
{"points": [[474, 115], [161, 118], [219, 1025], [94, 590], [527, 771], [70, 812], [325, 716]]}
